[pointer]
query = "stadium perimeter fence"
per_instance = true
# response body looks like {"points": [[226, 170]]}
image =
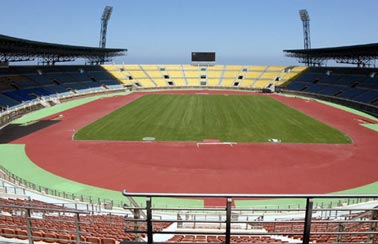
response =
{"points": [[309, 224], [228, 224]]}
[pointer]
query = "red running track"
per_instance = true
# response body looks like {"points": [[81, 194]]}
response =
{"points": [[184, 167]]}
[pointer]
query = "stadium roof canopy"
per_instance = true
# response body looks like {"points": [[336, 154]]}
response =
{"points": [[15, 49], [362, 55]]}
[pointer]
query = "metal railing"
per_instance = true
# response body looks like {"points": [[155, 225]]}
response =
{"points": [[21, 224], [33, 220], [364, 107], [339, 224], [19, 181], [102, 202]]}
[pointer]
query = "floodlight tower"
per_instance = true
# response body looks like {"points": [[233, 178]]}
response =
{"points": [[104, 25], [303, 14]]}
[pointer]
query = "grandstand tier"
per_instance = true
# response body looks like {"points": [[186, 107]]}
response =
{"points": [[23, 218], [21, 84], [360, 85]]}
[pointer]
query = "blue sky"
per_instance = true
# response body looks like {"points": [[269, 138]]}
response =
{"points": [[167, 31]]}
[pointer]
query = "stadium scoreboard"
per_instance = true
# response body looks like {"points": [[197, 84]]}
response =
{"points": [[203, 57]]}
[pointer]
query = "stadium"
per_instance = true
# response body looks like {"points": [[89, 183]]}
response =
{"points": [[196, 152]]}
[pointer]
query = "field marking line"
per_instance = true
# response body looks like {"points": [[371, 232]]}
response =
{"points": [[216, 143]]}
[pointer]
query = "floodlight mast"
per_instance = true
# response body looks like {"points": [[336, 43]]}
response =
{"points": [[305, 18], [104, 26]]}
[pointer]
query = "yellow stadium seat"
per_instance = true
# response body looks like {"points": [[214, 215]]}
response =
{"points": [[269, 75], [118, 74], [176, 74], [193, 82], [227, 82], [290, 73], [189, 75], [234, 67], [275, 68], [231, 74], [108, 67], [145, 82], [138, 74], [214, 74], [179, 82], [257, 68], [261, 84], [150, 67], [131, 67], [253, 74], [246, 82], [154, 74], [216, 68], [212, 82], [192, 74], [160, 82], [171, 67], [190, 68]]}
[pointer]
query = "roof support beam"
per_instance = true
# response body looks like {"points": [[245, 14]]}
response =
{"points": [[15, 50]]}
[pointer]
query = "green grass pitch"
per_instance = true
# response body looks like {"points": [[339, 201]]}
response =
{"points": [[229, 118]]}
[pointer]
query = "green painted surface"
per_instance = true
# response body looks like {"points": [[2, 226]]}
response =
{"points": [[14, 159], [292, 203], [345, 108], [350, 110], [228, 118], [39, 114], [371, 126]]}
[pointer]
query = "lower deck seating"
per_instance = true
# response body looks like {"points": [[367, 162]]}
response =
{"points": [[27, 83], [221, 239], [356, 230], [49, 224], [360, 85]]}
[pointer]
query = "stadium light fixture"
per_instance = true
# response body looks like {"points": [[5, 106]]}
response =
{"points": [[305, 18], [104, 25], [107, 13], [304, 15]]}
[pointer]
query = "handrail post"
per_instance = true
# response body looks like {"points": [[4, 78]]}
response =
{"points": [[29, 226], [228, 221], [150, 239], [374, 225], [307, 221], [77, 222]]}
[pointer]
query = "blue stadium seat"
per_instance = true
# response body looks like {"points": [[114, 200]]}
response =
{"points": [[349, 83], [6, 101]]}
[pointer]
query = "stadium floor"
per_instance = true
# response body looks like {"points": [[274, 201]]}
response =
{"points": [[256, 167]]}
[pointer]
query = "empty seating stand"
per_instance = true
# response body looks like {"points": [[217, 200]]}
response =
{"points": [[27, 83], [53, 223], [221, 239], [161, 76], [360, 85]]}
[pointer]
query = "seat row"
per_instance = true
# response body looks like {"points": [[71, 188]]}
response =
{"points": [[359, 85], [221, 239], [150, 76], [28, 83]]}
